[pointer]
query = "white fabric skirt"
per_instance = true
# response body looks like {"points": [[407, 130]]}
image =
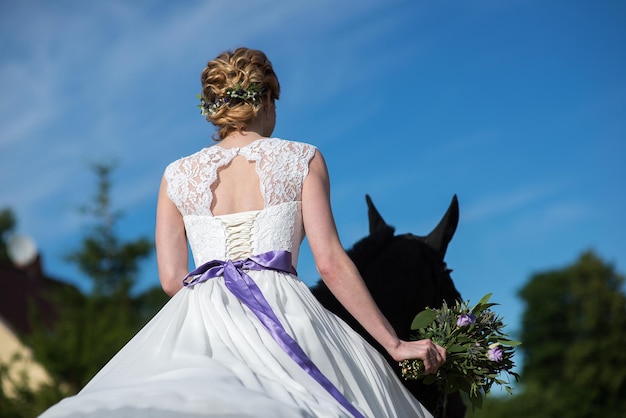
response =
{"points": [[207, 355]]}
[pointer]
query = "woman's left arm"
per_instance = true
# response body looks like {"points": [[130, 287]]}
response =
{"points": [[343, 278]]}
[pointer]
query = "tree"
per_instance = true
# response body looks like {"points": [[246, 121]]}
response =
{"points": [[7, 225], [573, 331], [93, 327], [573, 344], [110, 264], [88, 329]]}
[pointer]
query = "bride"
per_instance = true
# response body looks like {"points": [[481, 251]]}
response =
{"points": [[242, 336]]}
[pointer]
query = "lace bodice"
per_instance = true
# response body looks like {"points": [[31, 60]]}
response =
{"points": [[281, 166]]}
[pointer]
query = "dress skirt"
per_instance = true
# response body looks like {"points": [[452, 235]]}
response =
{"points": [[205, 354]]}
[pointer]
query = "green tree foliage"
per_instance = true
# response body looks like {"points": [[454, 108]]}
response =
{"points": [[573, 333], [110, 264], [7, 225], [91, 328], [22, 401]]}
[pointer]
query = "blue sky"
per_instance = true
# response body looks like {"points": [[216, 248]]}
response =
{"points": [[518, 107]]}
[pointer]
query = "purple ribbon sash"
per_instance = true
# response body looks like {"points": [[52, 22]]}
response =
{"points": [[245, 289]]}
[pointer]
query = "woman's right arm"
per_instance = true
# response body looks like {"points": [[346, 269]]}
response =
{"points": [[171, 243]]}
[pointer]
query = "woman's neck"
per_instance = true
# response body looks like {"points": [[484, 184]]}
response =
{"points": [[240, 138]]}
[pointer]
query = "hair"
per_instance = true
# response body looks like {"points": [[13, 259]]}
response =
{"points": [[237, 69]]}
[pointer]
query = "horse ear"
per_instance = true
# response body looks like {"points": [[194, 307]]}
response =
{"points": [[440, 237], [377, 223]]}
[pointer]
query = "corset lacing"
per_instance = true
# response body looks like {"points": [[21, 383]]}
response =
{"points": [[238, 229]]}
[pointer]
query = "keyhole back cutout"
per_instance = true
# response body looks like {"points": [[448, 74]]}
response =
{"points": [[237, 188]]}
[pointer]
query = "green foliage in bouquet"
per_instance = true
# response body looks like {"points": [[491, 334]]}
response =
{"points": [[478, 350]]}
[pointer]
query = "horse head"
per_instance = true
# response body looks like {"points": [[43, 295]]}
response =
{"points": [[405, 274]]}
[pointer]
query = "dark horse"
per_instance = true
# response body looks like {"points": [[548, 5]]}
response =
{"points": [[405, 274]]}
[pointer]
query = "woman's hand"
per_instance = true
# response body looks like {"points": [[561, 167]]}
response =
{"points": [[431, 354]]}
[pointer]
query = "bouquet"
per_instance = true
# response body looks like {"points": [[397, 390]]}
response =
{"points": [[478, 351]]}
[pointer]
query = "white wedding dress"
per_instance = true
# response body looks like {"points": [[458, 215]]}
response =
{"points": [[207, 354]]}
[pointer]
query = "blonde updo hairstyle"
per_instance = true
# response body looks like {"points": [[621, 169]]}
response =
{"points": [[237, 69]]}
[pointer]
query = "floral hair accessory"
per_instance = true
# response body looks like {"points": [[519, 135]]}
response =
{"points": [[251, 94], [478, 349]]}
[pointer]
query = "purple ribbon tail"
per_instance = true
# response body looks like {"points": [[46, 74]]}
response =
{"points": [[245, 289]]}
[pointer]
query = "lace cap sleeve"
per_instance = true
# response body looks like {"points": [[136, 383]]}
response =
{"points": [[189, 179], [282, 166]]}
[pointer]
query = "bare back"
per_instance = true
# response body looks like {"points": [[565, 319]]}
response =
{"points": [[237, 188]]}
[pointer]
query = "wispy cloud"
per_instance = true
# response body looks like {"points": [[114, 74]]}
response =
{"points": [[87, 81], [28, 101], [508, 201], [70, 73], [550, 218]]}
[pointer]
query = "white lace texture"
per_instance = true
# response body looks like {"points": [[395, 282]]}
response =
{"points": [[281, 166], [238, 236]]}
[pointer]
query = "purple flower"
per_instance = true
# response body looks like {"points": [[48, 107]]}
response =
{"points": [[494, 354], [465, 320]]}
